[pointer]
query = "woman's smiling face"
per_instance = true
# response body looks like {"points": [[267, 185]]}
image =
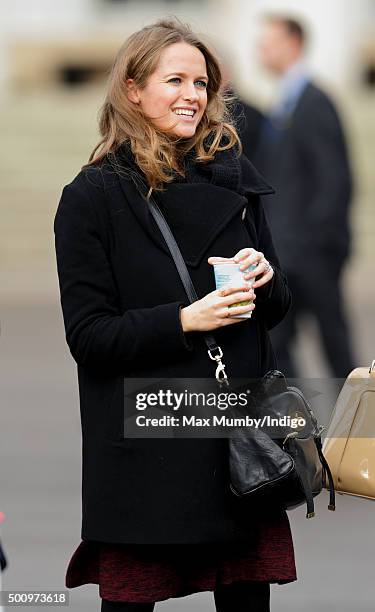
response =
{"points": [[175, 95]]}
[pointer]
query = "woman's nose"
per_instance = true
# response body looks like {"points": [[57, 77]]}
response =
{"points": [[190, 93]]}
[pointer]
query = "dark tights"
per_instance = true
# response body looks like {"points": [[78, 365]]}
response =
{"points": [[124, 606], [236, 597], [243, 597]]}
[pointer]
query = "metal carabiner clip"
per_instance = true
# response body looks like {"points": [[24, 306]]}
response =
{"points": [[220, 373]]}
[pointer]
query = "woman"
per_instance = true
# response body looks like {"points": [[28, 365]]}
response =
{"points": [[159, 520]]}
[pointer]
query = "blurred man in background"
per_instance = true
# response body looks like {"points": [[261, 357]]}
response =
{"points": [[302, 153]]}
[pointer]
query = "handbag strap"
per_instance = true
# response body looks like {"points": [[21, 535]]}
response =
{"points": [[327, 473], [214, 351]]}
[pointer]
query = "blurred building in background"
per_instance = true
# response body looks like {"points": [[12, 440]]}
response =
{"points": [[45, 42]]}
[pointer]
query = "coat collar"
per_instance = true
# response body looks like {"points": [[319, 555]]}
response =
{"points": [[227, 170], [199, 208]]}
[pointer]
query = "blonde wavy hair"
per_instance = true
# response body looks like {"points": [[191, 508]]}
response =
{"points": [[121, 121]]}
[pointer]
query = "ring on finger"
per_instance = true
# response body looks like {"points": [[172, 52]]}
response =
{"points": [[268, 267]]}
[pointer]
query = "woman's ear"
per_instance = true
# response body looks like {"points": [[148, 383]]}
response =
{"points": [[132, 91]]}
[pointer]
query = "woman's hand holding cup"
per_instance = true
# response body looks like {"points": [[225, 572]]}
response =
{"points": [[216, 309]]}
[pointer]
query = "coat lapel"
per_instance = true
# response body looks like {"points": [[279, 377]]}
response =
{"points": [[198, 211]]}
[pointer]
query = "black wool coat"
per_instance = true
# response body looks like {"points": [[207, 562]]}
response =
{"points": [[121, 297]]}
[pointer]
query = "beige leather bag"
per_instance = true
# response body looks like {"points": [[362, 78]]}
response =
{"points": [[349, 445]]}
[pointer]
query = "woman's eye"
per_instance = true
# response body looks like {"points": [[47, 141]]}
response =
{"points": [[178, 80]]}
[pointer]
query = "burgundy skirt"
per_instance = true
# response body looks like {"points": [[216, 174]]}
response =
{"points": [[149, 573]]}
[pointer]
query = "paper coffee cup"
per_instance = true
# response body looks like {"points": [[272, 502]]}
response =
{"points": [[228, 274]]}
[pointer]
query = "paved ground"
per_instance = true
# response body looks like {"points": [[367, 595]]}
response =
{"points": [[44, 141]]}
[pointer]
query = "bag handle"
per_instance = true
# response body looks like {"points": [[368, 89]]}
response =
{"points": [[214, 351]]}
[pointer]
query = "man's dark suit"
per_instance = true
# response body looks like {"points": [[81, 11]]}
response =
{"points": [[304, 157]]}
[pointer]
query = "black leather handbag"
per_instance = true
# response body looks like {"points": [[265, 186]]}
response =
{"points": [[287, 471]]}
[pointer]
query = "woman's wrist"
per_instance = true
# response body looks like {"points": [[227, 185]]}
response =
{"points": [[185, 319]]}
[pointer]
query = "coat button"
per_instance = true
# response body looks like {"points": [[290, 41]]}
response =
{"points": [[243, 213]]}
